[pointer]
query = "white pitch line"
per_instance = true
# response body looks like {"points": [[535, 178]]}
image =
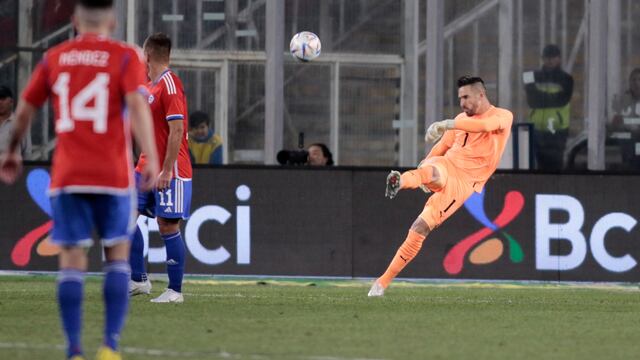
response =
{"points": [[20, 345], [159, 353], [189, 354], [334, 358]]}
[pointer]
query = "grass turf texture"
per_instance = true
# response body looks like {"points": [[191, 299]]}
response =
{"points": [[335, 320]]}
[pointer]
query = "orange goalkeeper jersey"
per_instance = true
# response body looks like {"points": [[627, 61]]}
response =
{"points": [[476, 144]]}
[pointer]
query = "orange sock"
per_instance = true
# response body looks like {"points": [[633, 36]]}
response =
{"points": [[412, 179], [407, 251]]}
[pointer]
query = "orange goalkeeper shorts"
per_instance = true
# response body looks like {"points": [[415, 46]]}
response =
{"points": [[447, 199]]}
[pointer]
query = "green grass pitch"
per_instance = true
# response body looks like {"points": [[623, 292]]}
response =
{"points": [[333, 320]]}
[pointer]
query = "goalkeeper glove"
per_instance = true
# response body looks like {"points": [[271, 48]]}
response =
{"points": [[437, 129]]}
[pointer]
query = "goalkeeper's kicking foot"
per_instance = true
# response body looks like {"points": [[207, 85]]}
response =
{"points": [[393, 184], [376, 290]]}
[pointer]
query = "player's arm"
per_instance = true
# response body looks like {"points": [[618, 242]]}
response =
{"points": [[539, 99], [132, 86], [176, 129], [492, 123], [442, 146], [140, 116], [174, 109], [11, 161], [24, 114], [34, 95]]}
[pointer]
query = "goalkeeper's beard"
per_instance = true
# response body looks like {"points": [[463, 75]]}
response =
{"points": [[471, 110]]}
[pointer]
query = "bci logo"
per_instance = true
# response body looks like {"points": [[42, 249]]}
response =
{"points": [[480, 248], [571, 231], [38, 181], [203, 214]]}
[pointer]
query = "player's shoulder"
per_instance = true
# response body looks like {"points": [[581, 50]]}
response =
{"points": [[51, 56], [60, 48], [174, 77], [503, 112], [125, 48], [461, 115], [112, 46], [171, 82]]}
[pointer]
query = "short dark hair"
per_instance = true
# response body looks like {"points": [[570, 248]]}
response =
{"points": [[469, 80], [198, 117], [551, 51], [159, 46], [325, 152], [5, 92], [95, 4]]}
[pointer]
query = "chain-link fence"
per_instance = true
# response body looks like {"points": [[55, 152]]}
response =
{"points": [[351, 98]]}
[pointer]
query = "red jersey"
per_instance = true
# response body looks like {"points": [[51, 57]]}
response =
{"points": [[87, 79], [168, 103]]}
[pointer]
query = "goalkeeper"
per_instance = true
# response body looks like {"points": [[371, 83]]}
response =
{"points": [[462, 162]]}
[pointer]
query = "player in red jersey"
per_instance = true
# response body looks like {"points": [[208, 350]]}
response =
{"points": [[90, 80], [171, 201]]}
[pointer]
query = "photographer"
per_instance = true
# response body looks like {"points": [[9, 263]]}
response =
{"points": [[317, 154]]}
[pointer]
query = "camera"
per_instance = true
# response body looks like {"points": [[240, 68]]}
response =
{"points": [[292, 157]]}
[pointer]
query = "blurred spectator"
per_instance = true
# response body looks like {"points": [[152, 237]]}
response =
{"points": [[7, 122], [205, 147], [549, 92], [625, 123], [319, 155]]}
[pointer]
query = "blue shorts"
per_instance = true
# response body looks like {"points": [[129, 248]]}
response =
{"points": [[76, 215], [173, 202]]}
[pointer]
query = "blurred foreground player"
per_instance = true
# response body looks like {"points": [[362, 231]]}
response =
{"points": [[458, 165], [90, 80]]}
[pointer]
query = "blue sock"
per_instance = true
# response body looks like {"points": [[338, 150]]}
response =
{"points": [[136, 257], [116, 300], [70, 287], [175, 260]]}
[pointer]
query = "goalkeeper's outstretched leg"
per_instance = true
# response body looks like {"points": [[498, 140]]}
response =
{"points": [[450, 192]]}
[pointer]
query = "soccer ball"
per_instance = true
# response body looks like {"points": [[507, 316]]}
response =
{"points": [[305, 46]]}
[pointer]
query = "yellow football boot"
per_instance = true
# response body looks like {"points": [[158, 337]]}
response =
{"points": [[105, 353]]}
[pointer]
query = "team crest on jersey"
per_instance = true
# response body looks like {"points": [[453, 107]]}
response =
{"points": [[151, 99]]}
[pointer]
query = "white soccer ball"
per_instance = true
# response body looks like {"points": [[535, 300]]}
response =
{"points": [[305, 46]]}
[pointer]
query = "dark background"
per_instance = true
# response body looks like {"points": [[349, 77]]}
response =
{"points": [[307, 222]]}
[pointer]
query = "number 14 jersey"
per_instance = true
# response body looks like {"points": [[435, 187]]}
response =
{"points": [[87, 79]]}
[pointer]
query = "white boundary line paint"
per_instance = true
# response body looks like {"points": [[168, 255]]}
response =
{"points": [[365, 281], [159, 353]]}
